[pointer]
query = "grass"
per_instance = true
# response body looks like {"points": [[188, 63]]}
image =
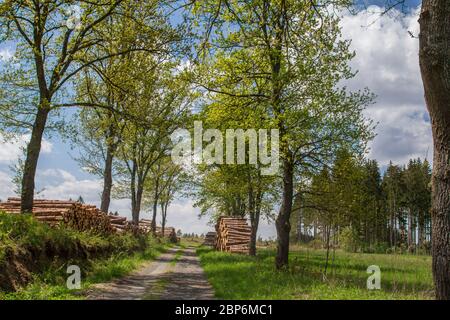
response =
{"points": [[51, 285], [23, 232], [110, 256], [244, 277], [190, 242]]}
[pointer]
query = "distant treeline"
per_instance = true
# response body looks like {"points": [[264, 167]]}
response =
{"points": [[354, 206]]}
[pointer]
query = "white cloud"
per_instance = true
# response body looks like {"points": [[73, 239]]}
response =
{"points": [[61, 184], [182, 215], [6, 186], [388, 64], [11, 148], [6, 54]]}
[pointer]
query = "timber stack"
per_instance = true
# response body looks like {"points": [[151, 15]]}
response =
{"points": [[233, 235], [73, 214], [145, 225], [120, 224], [210, 239]]}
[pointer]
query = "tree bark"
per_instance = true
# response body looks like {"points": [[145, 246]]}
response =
{"points": [[155, 204], [410, 231], [32, 157], [138, 202], [107, 180], [283, 224], [252, 215], [164, 206], [434, 57], [134, 203]]}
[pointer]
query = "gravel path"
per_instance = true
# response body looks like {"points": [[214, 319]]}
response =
{"points": [[176, 274]]}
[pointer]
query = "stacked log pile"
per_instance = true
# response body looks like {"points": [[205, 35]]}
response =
{"points": [[210, 239], [49, 211], [145, 226], [120, 224], [83, 217], [233, 235], [75, 215]]}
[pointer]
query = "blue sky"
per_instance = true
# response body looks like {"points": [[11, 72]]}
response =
{"points": [[387, 61]]}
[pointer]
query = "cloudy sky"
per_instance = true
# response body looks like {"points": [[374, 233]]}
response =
{"points": [[387, 63]]}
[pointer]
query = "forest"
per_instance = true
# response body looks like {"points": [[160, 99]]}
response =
{"points": [[123, 82]]}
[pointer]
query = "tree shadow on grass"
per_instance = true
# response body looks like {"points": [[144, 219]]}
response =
{"points": [[244, 277]]}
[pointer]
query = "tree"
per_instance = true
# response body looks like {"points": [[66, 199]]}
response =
{"points": [[292, 52], [434, 57], [393, 190], [98, 137], [162, 103], [234, 189], [52, 48], [164, 181], [374, 221], [416, 200], [171, 183]]}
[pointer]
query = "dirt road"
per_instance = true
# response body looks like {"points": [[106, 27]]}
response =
{"points": [[176, 274]]}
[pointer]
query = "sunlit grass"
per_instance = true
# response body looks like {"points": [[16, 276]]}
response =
{"points": [[103, 257], [244, 277], [51, 285]]}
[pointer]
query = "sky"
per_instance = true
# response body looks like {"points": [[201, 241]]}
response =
{"points": [[387, 63]]}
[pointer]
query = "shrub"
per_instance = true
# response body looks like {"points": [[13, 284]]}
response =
{"points": [[316, 244]]}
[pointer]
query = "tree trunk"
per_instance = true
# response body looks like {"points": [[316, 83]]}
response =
{"points": [[327, 241], [252, 215], [107, 180], [137, 206], [299, 224], [164, 206], [155, 205], [420, 229], [410, 231], [282, 222], [134, 206], [434, 56], [163, 219], [33, 150]]}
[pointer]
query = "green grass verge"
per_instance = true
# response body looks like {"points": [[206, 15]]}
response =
{"points": [[51, 285], [109, 256], [243, 277]]}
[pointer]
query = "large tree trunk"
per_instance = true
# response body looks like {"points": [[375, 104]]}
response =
{"points": [[283, 224], [32, 157], [434, 58], [107, 180], [253, 235], [139, 192]]}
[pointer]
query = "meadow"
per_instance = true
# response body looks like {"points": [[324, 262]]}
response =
{"points": [[244, 277]]}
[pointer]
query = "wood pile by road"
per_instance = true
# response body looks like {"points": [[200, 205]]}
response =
{"points": [[233, 235], [83, 217], [210, 239], [75, 215], [120, 224], [169, 232]]}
